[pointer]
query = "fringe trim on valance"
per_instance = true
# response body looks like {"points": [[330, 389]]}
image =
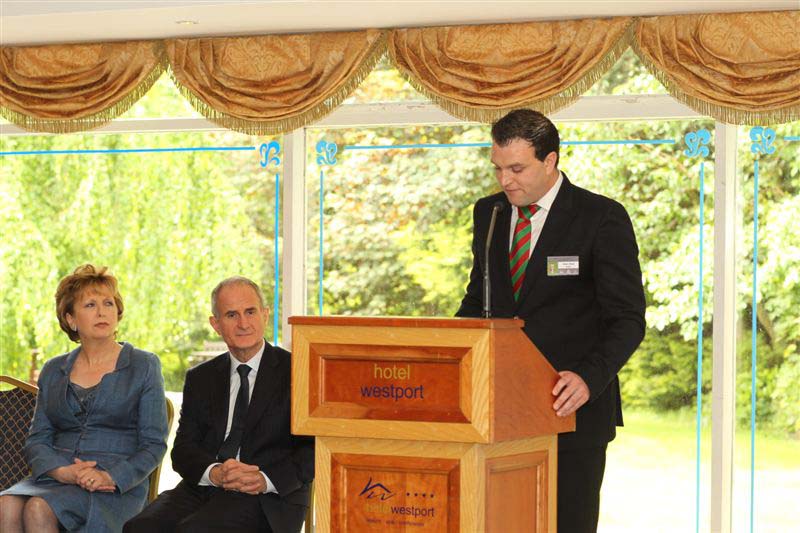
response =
{"points": [[460, 110], [90, 122], [285, 125], [545, 106], [729, 115]]}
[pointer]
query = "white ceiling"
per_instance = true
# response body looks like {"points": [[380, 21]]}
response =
{"points": [[58, 21]]}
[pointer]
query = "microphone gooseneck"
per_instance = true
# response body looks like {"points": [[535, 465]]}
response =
{"points": [[487, 286]]}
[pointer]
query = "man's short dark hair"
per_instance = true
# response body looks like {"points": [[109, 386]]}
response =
{"points": [[531, 126]]}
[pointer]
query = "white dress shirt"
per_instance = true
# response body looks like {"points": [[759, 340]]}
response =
{"points": [[545, 203], [235, 382]]}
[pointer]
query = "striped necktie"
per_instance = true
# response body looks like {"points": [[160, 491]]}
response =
{"points": [[520, 247]]}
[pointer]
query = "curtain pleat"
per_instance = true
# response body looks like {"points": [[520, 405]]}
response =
{"points": [[273, 83], [75, 87], [740, 68], [479, 73]]}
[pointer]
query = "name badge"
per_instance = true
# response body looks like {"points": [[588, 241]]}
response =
{"points": [[564, 265]]}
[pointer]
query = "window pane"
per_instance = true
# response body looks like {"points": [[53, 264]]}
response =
{"points": [[163, 100], [627, 76], [776, 466], [396, 241], [169, 224], [384, 84]]}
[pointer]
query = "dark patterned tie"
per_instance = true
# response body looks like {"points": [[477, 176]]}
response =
{"points": [[520, 247], [230, 447]]}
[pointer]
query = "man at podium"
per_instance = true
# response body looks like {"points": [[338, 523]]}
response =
{"points": [[565, 260]]}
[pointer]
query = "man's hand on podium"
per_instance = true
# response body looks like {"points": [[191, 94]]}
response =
{"points": [[571, 392]]}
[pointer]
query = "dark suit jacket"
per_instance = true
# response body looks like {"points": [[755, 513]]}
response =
{"points": [[590, 323], [286, 459]]}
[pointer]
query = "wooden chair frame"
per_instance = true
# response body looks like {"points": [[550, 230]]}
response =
{"points": [[152, 492], [24, 385]]}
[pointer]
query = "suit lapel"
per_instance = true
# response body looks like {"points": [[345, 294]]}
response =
{"points": [[558, 220], [58, 388], [220, 390]]}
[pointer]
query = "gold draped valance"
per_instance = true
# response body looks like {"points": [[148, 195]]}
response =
{"points": [[75, 87], [274, 83], [480, 73], [741, 68]]}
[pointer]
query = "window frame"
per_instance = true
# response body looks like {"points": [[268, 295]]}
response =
{"points": [[585, 109]]}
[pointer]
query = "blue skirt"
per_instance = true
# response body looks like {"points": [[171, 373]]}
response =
{"points": [[80, 510]]}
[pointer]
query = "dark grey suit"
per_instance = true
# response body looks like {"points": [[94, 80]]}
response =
{"points": [[286, 459]]}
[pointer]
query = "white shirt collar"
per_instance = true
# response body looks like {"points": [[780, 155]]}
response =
{"points": [[546, 201], [253, 363]]}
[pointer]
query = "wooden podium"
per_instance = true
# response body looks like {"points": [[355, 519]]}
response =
{"points": [[427, 424]]}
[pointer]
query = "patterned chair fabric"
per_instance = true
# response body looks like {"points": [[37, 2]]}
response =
{"points": [[16, 412]]}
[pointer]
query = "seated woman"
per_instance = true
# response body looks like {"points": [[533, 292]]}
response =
{"points": [[100, 425]]}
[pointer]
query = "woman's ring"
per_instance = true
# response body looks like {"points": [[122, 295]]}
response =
{"points": [[91, 480]]}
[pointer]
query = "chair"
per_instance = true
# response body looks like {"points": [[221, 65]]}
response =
{"points": [[16, 412], [152, 493]]}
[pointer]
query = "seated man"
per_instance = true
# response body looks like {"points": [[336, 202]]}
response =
{"points": [[242, 469]]}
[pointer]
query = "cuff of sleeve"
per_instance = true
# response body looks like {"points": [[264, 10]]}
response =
{"points": [[205, 480], [270, 486], [122, 475], [593, 377], [40, 467], [284, 475]]}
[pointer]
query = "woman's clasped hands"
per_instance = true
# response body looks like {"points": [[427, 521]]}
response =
{"points": [[86, 475]]}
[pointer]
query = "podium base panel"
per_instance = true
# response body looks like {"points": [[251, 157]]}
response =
{"points": [[422, 486]]}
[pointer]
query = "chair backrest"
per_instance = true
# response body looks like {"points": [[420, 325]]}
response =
{"points": [[16, 412], [152, 493]]}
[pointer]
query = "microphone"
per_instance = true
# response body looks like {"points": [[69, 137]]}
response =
{"points": [[487, 287]]}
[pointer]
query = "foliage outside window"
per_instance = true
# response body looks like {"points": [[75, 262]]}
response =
{"points": [[169, 225]]}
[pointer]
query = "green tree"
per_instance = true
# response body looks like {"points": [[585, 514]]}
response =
{"points": [[170, 225]]}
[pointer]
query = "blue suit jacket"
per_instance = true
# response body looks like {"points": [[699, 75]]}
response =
{"points": [[125, 430]]}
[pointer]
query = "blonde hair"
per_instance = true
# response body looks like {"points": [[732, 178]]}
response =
{"points": [[71, 287]]}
